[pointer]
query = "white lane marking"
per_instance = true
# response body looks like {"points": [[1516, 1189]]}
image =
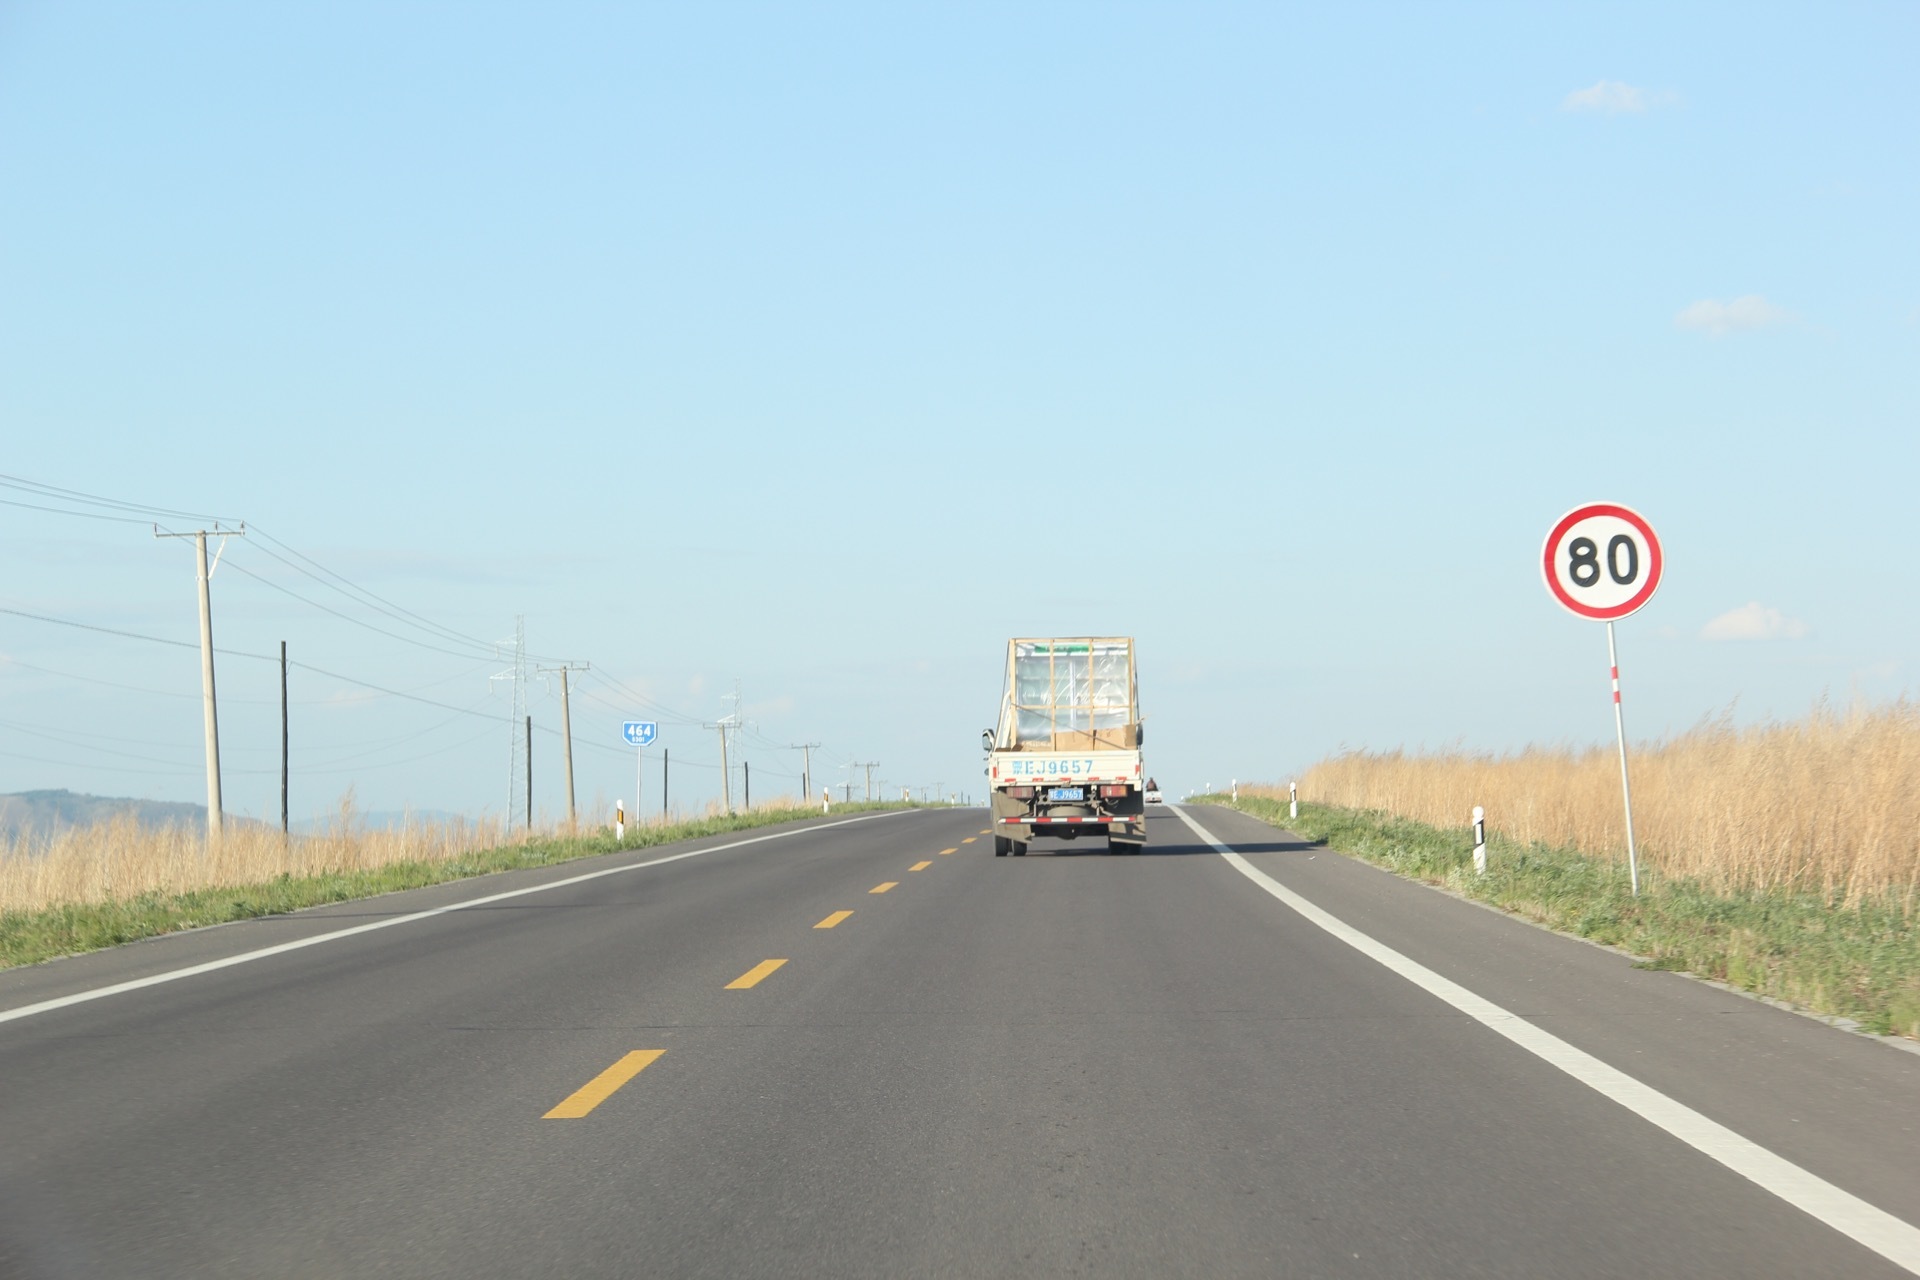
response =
{"points": [[174, 975], [1892, 1238]]}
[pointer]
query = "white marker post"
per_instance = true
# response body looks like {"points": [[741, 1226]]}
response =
{"points": [[619, 820], [1479, 841], [1236, 791], [1602, 562], [1293, 799]]}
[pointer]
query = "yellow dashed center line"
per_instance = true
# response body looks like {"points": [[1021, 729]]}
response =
{"points": [[753, 976], [968, 840], [947, 851], [833, 919], [919, 866], [601, 1087], [882, 888], [987, 832]]}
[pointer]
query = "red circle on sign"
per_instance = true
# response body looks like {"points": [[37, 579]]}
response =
{"points": [[1656, 561]]}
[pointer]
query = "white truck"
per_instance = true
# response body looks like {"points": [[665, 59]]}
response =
{"points": [[1065, 758]]}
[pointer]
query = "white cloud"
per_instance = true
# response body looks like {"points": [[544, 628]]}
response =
{"points": [[1742, 315], [1613, 98], [1754, 621]]}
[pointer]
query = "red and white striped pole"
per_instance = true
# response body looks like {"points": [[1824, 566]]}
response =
{"points": [[1626, 788]]}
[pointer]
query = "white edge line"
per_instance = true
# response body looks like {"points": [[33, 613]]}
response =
{"points": [[1892, 1238], [174, 975]]}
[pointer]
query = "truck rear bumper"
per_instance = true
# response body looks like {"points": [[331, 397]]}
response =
{"points": [[1124, 827]]}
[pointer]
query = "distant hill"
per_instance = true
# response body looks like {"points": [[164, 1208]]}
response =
{"points": [[49, 812]]}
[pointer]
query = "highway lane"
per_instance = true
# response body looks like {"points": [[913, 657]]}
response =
{"points": [[1063, 1064]]}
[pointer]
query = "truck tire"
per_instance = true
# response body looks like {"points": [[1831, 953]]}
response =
{"points": [[1129, 847], [1019, 848], [1000, 846]]}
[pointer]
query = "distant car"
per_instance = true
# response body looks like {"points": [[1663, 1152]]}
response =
{"points": [[1153, 796]]}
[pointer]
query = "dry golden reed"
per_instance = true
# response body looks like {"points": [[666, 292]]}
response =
{"points": [[121, 860], [1829, 804]]}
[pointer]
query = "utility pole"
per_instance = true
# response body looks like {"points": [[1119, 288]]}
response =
{"points": [[726, 772], [870, 766], [208, 703], [284, 829], [849, 766], [529, 775], [806, 767], [746, 773], [517, 673], [566, 735]]}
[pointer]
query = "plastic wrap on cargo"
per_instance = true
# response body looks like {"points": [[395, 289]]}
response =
{"points": [[1072, 687]]}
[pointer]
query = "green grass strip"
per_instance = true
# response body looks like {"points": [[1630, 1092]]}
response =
{"points": [[28, 937], [1859, 963]]}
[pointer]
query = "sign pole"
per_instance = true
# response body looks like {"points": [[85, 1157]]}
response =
{"points": [[639, 759], [1626, 787]]}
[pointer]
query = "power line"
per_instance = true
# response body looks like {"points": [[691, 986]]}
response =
{"points": [[10, 661], [142, 513], [40, 489], [114, 631], [363, 596], [358, 622], [106, 768], [84, 515]]}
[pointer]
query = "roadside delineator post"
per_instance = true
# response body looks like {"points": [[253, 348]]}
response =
{"points": [[1293, 799], [1236, 791], [1479, 841], [826, 800], [619, 819]]}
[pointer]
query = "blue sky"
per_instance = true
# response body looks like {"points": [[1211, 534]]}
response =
{"points": [[826, 347]]}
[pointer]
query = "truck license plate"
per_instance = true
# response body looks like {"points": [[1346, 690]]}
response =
{"points": [[1067, 793]]}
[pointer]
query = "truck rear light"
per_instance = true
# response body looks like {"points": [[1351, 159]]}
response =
{"points": [[1113, 793], [1020, 793]]}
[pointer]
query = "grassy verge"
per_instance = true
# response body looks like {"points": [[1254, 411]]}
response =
{"points": [[1860, 963], [28, 937]]}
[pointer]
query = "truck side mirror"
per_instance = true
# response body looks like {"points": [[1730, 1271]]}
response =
{"points": [[986, 739]]}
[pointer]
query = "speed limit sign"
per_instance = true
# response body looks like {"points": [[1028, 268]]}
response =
{"points": [[1602, 561]]}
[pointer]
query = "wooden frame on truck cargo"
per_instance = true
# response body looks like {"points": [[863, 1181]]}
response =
{"points": [[1007, 736]]}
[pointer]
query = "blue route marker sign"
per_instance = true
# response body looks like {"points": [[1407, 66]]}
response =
{"points": [[641, 733]]}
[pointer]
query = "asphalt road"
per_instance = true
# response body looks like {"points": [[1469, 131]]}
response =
{"points": [[1067, 1064]]}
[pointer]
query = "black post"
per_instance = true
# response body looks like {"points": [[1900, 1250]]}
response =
{"points": [[283, 738], [529, 774], [666, 758], [746, 773]]}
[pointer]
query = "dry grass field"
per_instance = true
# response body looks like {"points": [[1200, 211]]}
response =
{"points": [[1829, 804], [123, 861]]}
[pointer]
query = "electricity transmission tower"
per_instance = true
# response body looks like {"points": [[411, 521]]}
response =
{"points": [[209, 705], [519, 787]]}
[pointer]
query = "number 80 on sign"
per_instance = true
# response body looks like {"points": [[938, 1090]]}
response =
{"points": [[1602, 561]]}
